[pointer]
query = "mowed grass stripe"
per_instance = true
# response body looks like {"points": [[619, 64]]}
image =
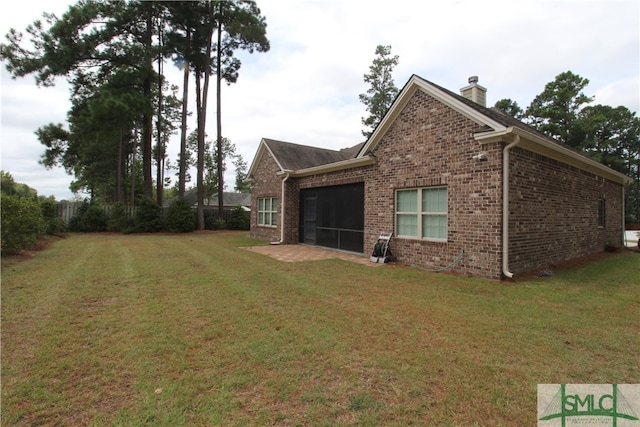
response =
{"points": [[194, 330]]}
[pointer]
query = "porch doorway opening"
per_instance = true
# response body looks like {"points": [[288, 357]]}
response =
{"points": [[333, 217]]}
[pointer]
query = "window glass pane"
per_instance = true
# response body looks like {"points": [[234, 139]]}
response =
{"points": [[407, 201], [274, 219], [601, 212], [434, 200], [407, 225], [274, 204], [260, 205], [434, 226], [261, 218]]}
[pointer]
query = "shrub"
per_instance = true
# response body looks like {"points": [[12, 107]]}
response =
{"points": [[119, 219], [54, 224], [219, 224], [239, 219], [22, 223], [94, 219], [180, 216], [210, 217], [76, 219], [88, 218], [148, 217]]}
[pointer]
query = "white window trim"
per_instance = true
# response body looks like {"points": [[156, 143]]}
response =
{"points": [[602, 213], [270, 212], [419, 214]]}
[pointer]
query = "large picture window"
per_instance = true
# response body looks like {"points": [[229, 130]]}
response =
{"points": [[422, 213], [268, 211]]}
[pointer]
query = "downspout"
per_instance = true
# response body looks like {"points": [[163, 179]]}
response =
{"points": [[505, 207], [282, 205], [624, 219]]}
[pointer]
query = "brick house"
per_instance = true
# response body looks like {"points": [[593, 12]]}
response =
{"points": [[449, 177]]}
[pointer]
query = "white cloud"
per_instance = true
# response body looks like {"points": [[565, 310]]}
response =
{"points": [[621, 92], [305, 89]]}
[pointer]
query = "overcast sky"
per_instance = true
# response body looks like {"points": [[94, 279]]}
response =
{"points": [[305, 89]]}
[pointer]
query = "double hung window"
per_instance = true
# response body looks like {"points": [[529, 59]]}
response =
{"points": [[268, 211], [422, 213]]}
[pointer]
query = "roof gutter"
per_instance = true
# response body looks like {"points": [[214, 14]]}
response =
{"points": [[540, 145], [505, 206], [282, 205]]}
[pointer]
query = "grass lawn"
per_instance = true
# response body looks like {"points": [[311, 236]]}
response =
{"points": [[181, 330]]}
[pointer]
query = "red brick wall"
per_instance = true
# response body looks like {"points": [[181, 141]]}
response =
{"points": [[265, 184], [554, 212], [430, 144]]}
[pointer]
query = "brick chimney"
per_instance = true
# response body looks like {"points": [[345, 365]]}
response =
{"points": [[475, 92]]}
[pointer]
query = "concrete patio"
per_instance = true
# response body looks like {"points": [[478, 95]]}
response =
{"points": [[299, 253]]}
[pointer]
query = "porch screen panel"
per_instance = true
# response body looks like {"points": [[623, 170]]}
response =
{"points": [[339, 216]]}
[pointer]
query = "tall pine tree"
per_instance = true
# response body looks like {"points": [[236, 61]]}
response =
{"points": [[382, 90]]}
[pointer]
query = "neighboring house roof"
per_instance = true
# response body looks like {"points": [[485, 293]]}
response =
{"points": [[233, 199], [229, 199]]}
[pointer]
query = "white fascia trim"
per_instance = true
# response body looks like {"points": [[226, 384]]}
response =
{"points": [[537, 144], [261, 149], [333, 167]]}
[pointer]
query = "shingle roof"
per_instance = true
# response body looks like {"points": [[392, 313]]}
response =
{"points": [[228, 198], [233, 199], [292, 156], [500, 117]]}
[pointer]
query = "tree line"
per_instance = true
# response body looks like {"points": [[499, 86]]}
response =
{"points": [[609, 135], [123, 109], [27, 217]]}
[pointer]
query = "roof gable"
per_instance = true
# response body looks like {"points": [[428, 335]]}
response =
{"points": [[291, 157], [464, 106], [494, 125]]}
